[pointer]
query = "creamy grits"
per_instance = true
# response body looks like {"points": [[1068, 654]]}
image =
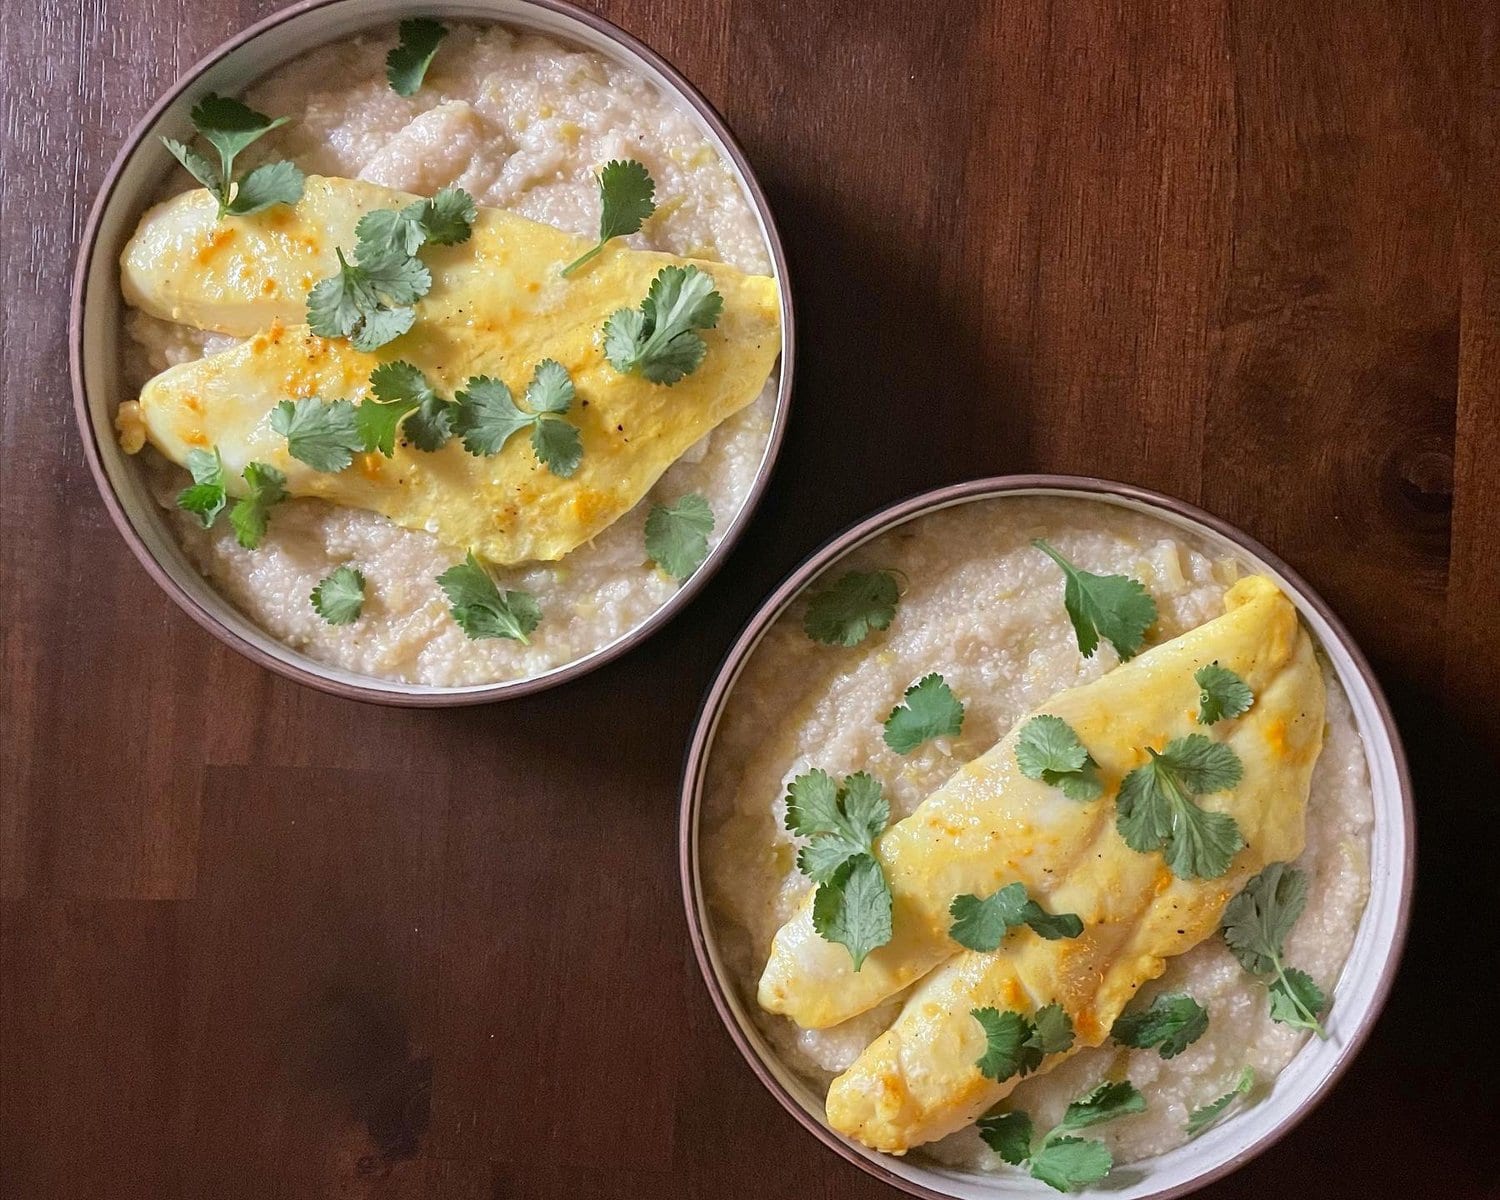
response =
{"points": [[984, 608], [523, 123]]}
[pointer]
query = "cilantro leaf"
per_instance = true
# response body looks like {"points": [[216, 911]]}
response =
{"points": [[1155, 809], [406, 65], [340, 597], [230, 126], [1070, 1164], [844, 614], [447, 218], [551, 388], [1171, 1024], [1005, 1035], [397, 388], [1201, 1118], [557, 445], [430, 426], [1222, 693], [324, 436], [677, 535], [627, 196], [1256, 924], [482, 610], [852, 906], [1104, 1103], [368, 303], [1051, 1030], [251, 513], [1047, 749], [206, 498], [487, 415], [930, 710], [271, 183], [982, 924], [853, 909], [1297, 1001], [1257, 921], [1009, 1135], [659, 341], [390, 232], [1114, 607]]}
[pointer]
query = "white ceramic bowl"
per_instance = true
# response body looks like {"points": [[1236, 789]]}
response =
{"points": [[1361, 988], [95, 333]]}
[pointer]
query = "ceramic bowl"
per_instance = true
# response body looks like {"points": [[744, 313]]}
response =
{"points": [[1361, 988], [95, 333]]}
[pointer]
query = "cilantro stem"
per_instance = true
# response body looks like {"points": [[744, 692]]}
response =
{"points": [[587, 256]]}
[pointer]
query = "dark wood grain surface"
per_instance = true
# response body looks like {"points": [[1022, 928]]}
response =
{"points": [[257, 942]]}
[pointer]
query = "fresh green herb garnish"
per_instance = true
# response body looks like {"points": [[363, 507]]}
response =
{"points": [[677, 535], [206, 498], [1201, 1118], [324, 436], [659, 340], [445, 219], [858, 602], [1060, 1160], [339, 597], [1114, 607], [482, 610], [251, 512], [982, 924], [627, 196], [1256, 925], [488, 416], [229, 127], [929, 709], [1047, 749], [369, 301], [1016, 1044], [406, 65], [1156, 810], [852, 906], [429, 419], [1221, 694], [1171, 1024]]}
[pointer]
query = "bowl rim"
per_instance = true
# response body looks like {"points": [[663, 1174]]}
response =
{"points": [[373, 689], [884, 518]]}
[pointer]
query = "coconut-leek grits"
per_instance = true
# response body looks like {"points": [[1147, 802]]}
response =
{"points": [[1036, 835], [459, 358]]}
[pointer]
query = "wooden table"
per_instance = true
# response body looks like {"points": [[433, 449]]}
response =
{"points": [[261, 943]]}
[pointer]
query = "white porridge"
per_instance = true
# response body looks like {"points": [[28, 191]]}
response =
{"points": [[524, 124], [981, 606]]}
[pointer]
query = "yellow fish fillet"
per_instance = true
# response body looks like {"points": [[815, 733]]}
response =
{"points": [[989, 825], [497, 307], [918, 1081]]}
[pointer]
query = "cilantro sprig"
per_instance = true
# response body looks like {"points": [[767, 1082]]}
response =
{"points": [[627, 197], [325, 436], [1221, 694], [982, 924], [1048, 750], [677, 535], [1059, 1159], [928, 710], [487, 416], [1114, 607], [339, 598], [406, 64], [370, 300], [659, 341], [1171, 1024], [1157, 810], [1201, 1118], [482, 610], [1256, 924], [845, 613], [208, 496], [1015, 1044], [852, 904], [229, 127]]}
